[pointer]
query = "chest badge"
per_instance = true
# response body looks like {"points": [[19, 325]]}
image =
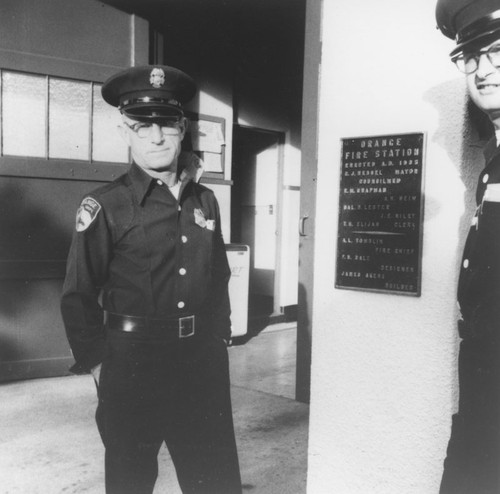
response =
{"points": [[200, 220]]}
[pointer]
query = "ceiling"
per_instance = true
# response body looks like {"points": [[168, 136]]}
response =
{"points": [[269, 29], [260, 41]]}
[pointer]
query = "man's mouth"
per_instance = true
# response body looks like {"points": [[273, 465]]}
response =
{"points": [[487, 87]]}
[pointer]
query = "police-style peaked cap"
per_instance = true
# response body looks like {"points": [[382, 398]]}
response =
{"points": [[149, 91], [468, 21]]}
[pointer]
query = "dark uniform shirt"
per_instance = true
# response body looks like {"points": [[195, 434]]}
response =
{"points": [[479, 283], [147, 254], [473, 453]]}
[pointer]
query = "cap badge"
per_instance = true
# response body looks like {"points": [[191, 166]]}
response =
{"points": [[157, 78]]}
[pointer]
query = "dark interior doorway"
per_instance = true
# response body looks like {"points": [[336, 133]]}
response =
{"points": [[254, 212]]}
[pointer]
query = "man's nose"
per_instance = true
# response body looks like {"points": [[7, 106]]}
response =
{"points": [[484, 66], [156, 134]]}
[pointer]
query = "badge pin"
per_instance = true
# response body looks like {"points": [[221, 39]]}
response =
{"points": [[157, 78]]}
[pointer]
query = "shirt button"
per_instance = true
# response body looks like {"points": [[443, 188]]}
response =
{"points": [[178, 208], [182, 271], [181, 305], [486, 177], [466, 263], [159, 182], [184, 239]]}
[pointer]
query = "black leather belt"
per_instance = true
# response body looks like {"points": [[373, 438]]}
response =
{"points": [[182, 327]]}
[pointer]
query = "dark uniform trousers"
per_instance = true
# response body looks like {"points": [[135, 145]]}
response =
{"points": [[153, 390], [472, 465]]}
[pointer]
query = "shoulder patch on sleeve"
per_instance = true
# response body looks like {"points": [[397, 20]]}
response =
{"points": [[87, 213]]}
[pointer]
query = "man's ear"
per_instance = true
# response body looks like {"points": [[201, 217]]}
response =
{"points": [[183, 126]]}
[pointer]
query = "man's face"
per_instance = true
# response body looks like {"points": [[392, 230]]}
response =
{"points": [[154, 146], [484, 84]]}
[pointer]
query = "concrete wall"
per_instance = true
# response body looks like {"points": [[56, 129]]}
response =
{"points": [[384, 381]]}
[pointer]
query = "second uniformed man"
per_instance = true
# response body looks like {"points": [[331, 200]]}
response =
{"points": [[145, 301], [472, 465]]}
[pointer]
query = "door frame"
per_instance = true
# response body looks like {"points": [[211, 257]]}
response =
{"points": [[308, 179], [278, 266]]}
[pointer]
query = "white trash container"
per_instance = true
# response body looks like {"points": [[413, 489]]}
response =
{"points": [[238, 257]]}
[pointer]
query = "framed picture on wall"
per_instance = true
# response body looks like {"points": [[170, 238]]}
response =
{"points": [[206, 137]]}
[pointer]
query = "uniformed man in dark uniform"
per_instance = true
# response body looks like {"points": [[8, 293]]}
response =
{"points": [[145, 301], [472, 465]]}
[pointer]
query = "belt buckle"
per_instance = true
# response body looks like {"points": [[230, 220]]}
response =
{"points": [[186, 326]]}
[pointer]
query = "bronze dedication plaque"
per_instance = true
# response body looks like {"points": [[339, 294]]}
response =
{"points": [[379, 244]]}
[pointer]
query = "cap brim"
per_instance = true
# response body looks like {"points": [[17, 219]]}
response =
{"points": [[145, 111], [477, 41]]}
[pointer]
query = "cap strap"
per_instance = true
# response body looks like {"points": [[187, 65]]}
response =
{"points": [[149, 99]]}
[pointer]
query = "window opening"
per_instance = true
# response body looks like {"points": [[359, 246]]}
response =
{"points": [[57, 118]]}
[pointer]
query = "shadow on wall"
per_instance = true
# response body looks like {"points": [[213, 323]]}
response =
{"points": [[9, 346], [33, 248], [34, 220], [462, 132]]}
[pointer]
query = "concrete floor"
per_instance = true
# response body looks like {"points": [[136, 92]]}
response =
{"points": [[49, 443]]}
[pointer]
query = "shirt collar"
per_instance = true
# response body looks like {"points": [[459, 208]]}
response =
{"points": [[191, 167], [491, 149], [141, 182]]}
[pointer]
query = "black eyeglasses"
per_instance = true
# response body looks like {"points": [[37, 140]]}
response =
{"points": [[469, 62], [144, 129]]}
